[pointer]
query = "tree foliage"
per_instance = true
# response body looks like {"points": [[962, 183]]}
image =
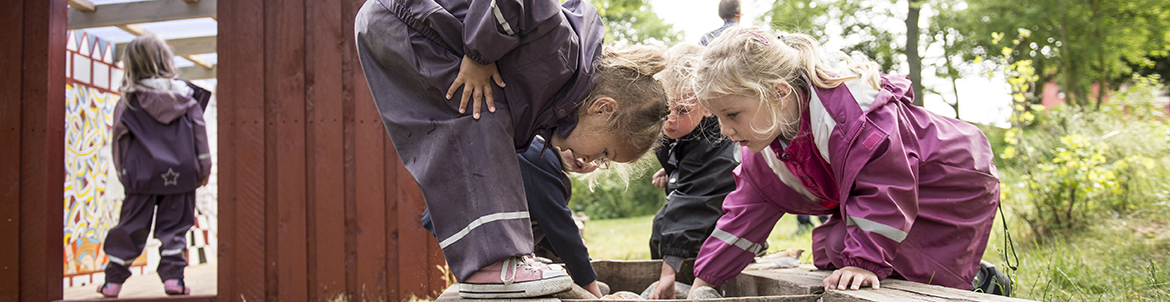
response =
{"points": [[1075, 42], [631, 22]]}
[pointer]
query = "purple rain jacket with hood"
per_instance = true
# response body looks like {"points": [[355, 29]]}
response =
{"points": [[168, 102], [544, 50], [912, 194]]}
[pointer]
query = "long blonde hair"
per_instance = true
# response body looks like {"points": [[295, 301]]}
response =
{"points": [[146, 57], [748, 61], [678, 79]]}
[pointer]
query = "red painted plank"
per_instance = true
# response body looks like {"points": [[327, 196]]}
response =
{"points": [[42, 164], [11, 60], [393, 244], [325, 146], [284, 99], [165, 299], [349, 133], [227, 126], [371, 196], [412, 240], [247, 94]]}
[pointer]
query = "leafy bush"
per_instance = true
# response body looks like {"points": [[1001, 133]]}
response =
{"points": [[1076, 164], [611, 196]]}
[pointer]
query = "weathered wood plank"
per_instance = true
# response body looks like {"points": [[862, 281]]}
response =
{"points": [[326, 160], [140, 12], [197, 73], [11, 63], [371, 199], [165, 299], [42, 149], [284, 54], [228, 125], [247, 94], [81, 5]]}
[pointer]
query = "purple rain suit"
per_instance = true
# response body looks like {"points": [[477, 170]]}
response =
{"points": [[411, 50], [912, 194], [172, 194]]}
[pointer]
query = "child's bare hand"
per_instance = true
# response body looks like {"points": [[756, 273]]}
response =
{"points": [[659, 179], [665, 288], [477, 77], [851, 277]]}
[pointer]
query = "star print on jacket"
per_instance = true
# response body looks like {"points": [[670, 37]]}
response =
{"points": [[170, 178]]}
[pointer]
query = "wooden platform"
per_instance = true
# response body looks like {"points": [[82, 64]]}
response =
{"points": [[773, 285]]}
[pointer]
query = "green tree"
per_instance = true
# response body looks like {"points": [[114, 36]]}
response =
{"points": [[631, 22], [1077, 43], [863, 21]]}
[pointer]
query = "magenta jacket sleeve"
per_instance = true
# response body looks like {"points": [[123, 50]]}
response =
{"points": [[493, 28], [739, 234], [203, 150], [883, 202]]}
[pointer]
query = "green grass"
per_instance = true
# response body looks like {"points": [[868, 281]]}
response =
{"points": [[1120, 259], [629, 238]]}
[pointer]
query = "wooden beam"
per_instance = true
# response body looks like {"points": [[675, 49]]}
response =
{"points": [[199, 61], [134, 29], [140, 12], [192, 73], [82, 5], [181, 47]]}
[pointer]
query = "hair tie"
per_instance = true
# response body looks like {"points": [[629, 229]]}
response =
{"points": [[758, 36]]}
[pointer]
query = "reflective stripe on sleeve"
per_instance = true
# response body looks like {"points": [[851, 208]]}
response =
{"points": [[500, 18], [746, 245], [874, 227]]}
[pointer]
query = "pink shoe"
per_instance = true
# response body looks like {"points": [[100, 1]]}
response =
{"points": [[110, 290], [175, 287], [515, 277]]}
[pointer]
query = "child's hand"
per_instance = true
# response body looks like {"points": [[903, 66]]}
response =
{"points": [[203, 180], [665, 289], [594, 289], [477, 78], [659, 179], [851, 277]]}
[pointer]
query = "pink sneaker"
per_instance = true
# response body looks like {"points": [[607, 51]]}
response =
{"points": [[515, 277], [175, 287], [110, 290]]}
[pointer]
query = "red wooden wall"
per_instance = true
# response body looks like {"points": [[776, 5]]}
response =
{"points": [[32, 149], [313, 199]]}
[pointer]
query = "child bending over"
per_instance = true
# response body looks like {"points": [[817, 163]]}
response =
{"points": [[540, 68]]}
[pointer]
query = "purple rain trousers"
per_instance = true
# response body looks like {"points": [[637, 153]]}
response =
{"points": [[125, 242]]}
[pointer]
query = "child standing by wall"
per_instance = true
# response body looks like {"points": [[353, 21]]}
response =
{"points": [[540, 68], [161, 156], [911, 193], [696, 171]]}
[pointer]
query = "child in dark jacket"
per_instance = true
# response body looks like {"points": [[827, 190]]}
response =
{"points": [[540, 69], [912, 194], [696, 171], [161, 156]]}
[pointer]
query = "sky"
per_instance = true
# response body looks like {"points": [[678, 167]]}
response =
{"points": [[981, 100]]}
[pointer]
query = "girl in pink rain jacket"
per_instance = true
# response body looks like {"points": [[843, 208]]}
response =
{"points": [[912, 194]]}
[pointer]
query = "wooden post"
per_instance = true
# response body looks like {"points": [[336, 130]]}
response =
{"points": [[32, 150]]}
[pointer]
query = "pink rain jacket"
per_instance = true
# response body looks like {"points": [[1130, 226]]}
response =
{"points": [[912, 194]]}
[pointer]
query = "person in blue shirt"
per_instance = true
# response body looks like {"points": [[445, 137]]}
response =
{"points": [[729, 11]]}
